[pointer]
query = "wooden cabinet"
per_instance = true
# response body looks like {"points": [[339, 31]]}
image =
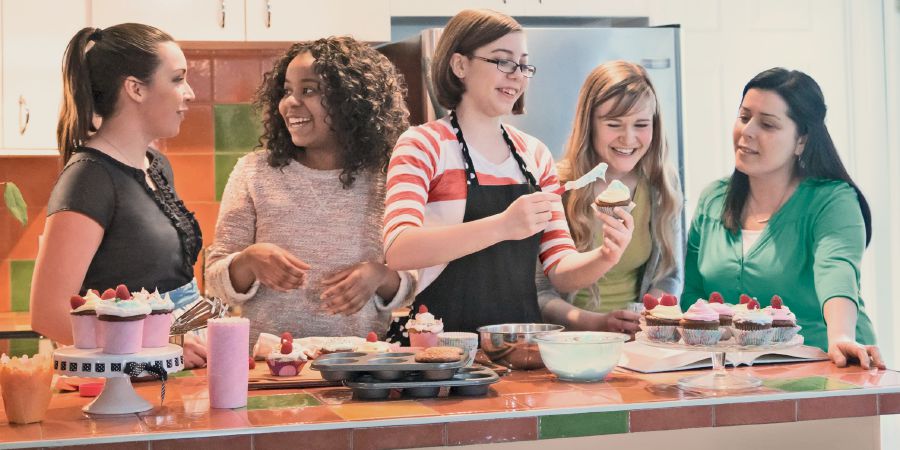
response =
{"points": [[584, 8], [191, 20], [419, 8], [295, 20], [34, 38]]}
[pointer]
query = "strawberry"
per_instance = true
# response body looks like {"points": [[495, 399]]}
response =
{"points": [[716, 297], [122, 292], [745, 298], [423, 309], [286, 336], [753, 304], [777, 303], [77, 301], [108, 294], [371, 337], [252, 362], [650, 302], [96, 292], [668, 300], [286, 348]]}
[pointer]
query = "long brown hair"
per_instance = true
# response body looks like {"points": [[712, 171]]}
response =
{"points": [[626, 85], [95, 64], [467, 31]]}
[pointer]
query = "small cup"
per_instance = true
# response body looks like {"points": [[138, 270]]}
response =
{"points": [[635, 307], [468, 342]]}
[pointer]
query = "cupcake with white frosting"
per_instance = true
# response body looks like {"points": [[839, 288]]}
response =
{"points": [[661, 318], [158, 323], [424, 328], [752, 326], [85, 326], [122, 321], [616, 195]]}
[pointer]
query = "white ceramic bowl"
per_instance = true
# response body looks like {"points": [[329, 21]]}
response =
{"points": [[582, 356]]}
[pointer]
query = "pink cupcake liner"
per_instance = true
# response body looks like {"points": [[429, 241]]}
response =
{"points": [[84, 331], [752, 337], [423, 340], [122, 338], [156, 330], [701, 337], [784, 334], [285, 368]]}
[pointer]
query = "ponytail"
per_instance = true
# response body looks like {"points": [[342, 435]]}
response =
{"points": [[77, 111]]}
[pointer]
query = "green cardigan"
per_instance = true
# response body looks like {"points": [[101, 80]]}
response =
{"points": [[809, 252]]}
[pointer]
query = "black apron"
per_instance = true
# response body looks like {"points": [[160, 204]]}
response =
{"points": [[494, 285]]}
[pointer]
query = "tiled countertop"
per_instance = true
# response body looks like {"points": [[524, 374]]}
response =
{"points": [[522, 406], [16, 325]]}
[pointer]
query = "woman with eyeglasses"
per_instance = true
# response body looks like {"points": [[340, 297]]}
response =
{"points": [[469, 199]]}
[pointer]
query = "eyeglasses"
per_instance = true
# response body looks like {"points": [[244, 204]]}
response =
{"points": [[507, 66]]}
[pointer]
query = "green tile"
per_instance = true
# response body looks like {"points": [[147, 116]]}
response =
{"points": [[224, 165], [237, 128], [183, 374], [19, 347], [809, 384], [20, 283], [281, 401], [588, 424]]}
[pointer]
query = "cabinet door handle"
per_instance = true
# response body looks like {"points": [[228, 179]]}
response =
{"points": [[23, 107], [268, 14], [222, 14]]}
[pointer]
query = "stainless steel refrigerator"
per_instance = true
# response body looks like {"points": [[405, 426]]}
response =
{"points": [[563, 57]]}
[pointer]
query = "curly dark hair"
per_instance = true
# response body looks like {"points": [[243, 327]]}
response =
{"points": [[362, 93]]}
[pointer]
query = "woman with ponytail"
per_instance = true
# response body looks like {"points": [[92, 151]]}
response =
{"points": [[113, 216], [788, 222]]}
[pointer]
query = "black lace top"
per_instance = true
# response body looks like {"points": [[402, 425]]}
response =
{"points": [[150, 238]]}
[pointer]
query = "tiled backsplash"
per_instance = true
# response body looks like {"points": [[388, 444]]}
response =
{"points": [[219, 128]]}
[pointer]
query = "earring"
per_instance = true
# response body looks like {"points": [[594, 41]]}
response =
{"points": [[800, 161]]}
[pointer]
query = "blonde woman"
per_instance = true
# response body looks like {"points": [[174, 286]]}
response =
{"points": [[617, 121]]}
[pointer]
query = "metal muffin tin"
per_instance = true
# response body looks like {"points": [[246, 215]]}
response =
{"points": [[392, 366], [467, 381]]}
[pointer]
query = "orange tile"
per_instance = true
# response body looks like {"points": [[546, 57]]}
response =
{"points": [[382, 410], [492, 402], [755, 413], [26, 239], [68, 423], [492, 431], [140, 445], [34, 175], [199, 76], [671, 418], [799, 370], [410, 436], [173, 417], [318, 440], [235, 79], [311, 414], [194, 178], [871, 378], [564, 399], [210, 443], [834, 407], [333, 396], [4, 285], [18, 433], [196, 134]]}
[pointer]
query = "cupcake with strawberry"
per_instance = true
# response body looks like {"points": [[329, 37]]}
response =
{"points": [[661, 318], [158, 323], [122, 321], [373, 345], [752, 326], [424, 328], [784, 322], [700, 324], [287, 360], [726, 313], [85, 326]]}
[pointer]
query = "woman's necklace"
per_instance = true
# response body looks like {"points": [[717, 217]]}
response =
{"points": [[777, 207], [122, 154]]}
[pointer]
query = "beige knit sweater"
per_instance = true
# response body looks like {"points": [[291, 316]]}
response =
{"points": [[308, 213]]}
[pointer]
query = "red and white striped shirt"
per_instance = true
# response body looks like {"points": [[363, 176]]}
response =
{"points": [[426, 186]]}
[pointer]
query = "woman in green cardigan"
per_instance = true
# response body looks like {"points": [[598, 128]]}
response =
{"points": [[789, 221]]}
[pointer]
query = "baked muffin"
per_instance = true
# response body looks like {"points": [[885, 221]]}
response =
{"points": [[700, 325]]}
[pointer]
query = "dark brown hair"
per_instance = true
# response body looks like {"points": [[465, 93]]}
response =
{"points": [[95, 64], [464, 33], [820, 159], [362, 94]]}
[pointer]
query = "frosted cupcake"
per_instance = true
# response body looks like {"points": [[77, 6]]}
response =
{"points": [[424, 328], [85, 326], [726, 313], [753, 326], [784, 322], [122, 321], [700, 325], [158, 323], [615, 195], [661, 318], [373, 345], [287, 360]]}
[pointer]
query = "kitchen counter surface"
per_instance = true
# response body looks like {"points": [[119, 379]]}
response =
{"points": [[523, 406]]}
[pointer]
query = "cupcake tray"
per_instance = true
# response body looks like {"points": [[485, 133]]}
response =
{"points": [[391, 366], [466, 382]]}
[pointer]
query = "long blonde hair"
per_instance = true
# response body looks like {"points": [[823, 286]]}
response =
{"points": [[626, 85]]}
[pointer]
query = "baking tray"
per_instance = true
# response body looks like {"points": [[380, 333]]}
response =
{"points": [[467, 381], [390, 366]]}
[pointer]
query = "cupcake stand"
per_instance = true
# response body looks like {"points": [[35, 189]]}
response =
{"points": [[118, 396], [720, 379]]}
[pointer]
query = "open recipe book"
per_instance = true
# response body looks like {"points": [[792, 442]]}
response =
{"points": [[644, 358]]}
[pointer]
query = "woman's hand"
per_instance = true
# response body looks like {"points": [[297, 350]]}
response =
{"points": [[194, 352], [623, 321], [528, 215], [843, 352], [347, 291], [616, 234], [273, 266]]}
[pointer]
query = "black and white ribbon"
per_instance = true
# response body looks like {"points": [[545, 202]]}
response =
{"points": [[134, 369]]}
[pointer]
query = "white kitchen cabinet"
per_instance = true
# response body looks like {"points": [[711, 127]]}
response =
{"points": [[419, 8], [185, 20], [294, 20], [584, 8], [34, 38]]}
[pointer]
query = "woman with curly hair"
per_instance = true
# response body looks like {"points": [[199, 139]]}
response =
{"points": [[298, 234]]}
